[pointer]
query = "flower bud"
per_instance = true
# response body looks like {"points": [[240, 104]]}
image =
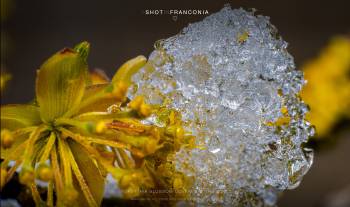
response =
{"points": [[178, 183], [132, 191], [100, 127], [130, 178], [44, 172], [150, 146], [70, 195], [6, 138], [139, 105], [180, 133], [26, 176], [125, 181]]}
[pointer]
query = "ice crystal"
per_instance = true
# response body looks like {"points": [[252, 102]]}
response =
{"points": [[232, 78]]}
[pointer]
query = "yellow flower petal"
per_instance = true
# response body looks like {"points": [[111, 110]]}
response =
{"points": [[91, 174], [15, 116], [125, 72], [60, 84], [101, 103], [98, 77]]}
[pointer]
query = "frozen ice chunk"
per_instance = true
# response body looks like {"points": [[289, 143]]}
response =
{"points": [[234, 82]]}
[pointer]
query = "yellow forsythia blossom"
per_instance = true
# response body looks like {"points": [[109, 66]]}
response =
{"points": [[328, 89]]}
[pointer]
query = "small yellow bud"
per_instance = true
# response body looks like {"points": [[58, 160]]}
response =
{"points": [[137, 175], [44, 173], [150, 146], [132, 191], [145, 110], [136, 103], [70, 195], [100, 127], [139, 105], [3, 177], [26, 176], [284, 110], [178, 183], [6, 138], [125, 181], [180, 133], [175, 131], [129, 179], [243, 37], [280, 92]]}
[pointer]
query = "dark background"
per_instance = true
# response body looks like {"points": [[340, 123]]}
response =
{"points": [[119, 30]]}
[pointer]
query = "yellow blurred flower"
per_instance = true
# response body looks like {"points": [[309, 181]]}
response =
{"points": [[328, 85], [4, 78]]}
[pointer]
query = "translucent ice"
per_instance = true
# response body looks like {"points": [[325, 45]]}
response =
{"points": [[231, 77]]}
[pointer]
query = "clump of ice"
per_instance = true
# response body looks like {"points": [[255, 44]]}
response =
{"points": [[230, 75], [111, 188]]}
